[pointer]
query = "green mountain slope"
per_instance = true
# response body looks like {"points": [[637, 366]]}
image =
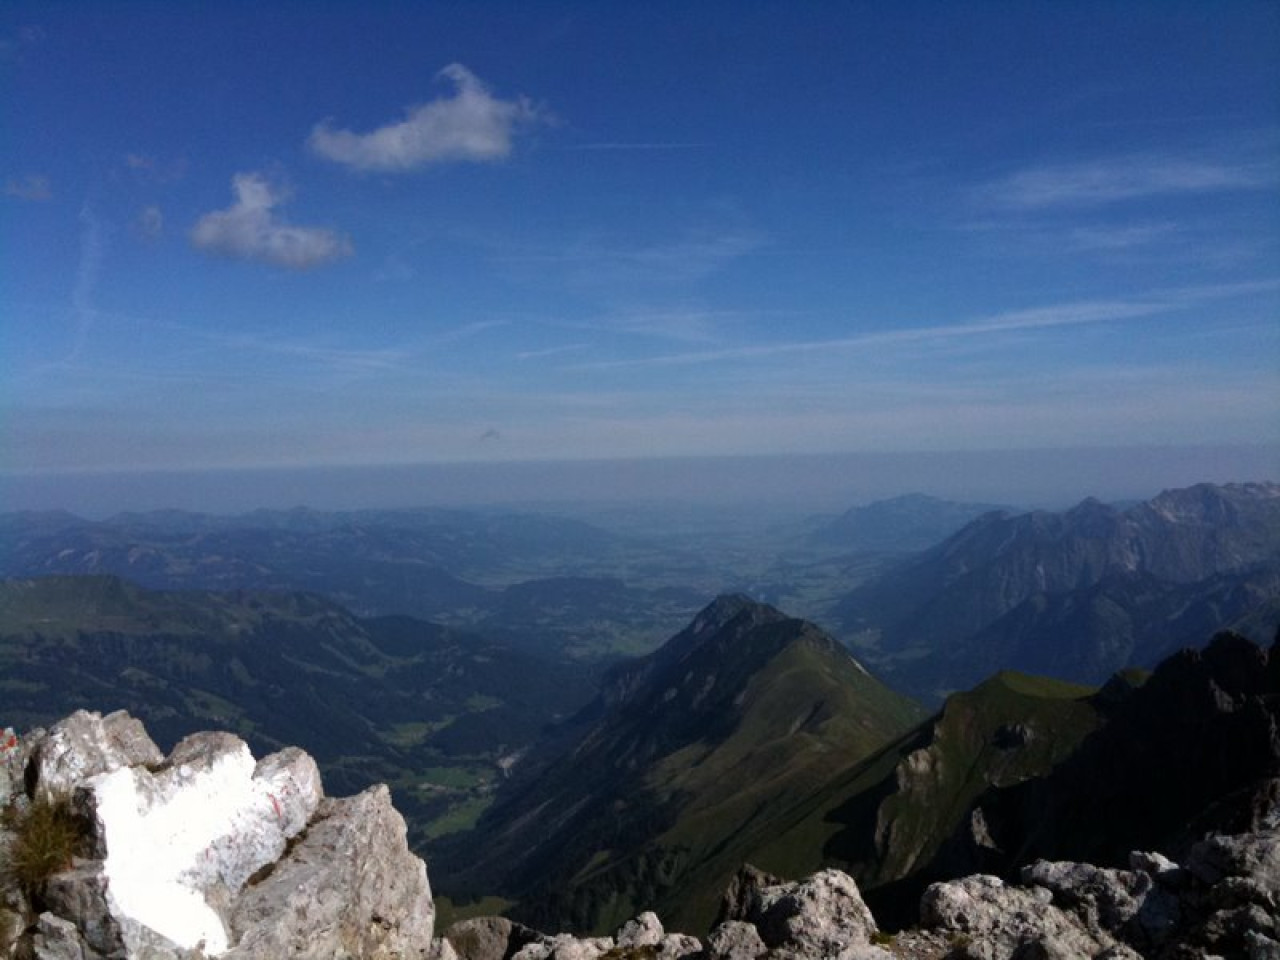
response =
{"points": [[898, 814], [437, 713], [1021, 768], [678, 772]]}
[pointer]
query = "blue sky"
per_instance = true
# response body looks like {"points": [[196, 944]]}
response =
{"points": [[295, 234]]}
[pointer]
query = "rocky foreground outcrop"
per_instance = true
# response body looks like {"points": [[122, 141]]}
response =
{"points": [[202, 853], [1224, 902], [207, 853]]}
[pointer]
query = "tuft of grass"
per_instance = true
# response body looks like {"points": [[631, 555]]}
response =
{"points": [[46, 836]]}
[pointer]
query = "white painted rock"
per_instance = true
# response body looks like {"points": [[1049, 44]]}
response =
{"points": [[207, 853], [200, 826]]}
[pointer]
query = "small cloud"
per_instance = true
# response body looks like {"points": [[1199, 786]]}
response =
{"points": [[490, 434], [149, 169], [149, 223], [1127, 237], [31, 187], [13, 46], [250, 230], [394, 270], [471, 125], [550, 351], [1123, 178]]}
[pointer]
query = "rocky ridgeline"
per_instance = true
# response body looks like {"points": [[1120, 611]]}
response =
{"points": [[208, 853]]}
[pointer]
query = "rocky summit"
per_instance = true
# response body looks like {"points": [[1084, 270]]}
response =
{"points": [[206, 852], [113, 850]]}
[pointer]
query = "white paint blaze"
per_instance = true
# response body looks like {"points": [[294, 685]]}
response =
{"points": [[152, 843]]}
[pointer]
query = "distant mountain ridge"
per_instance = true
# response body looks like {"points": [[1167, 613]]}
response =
{"points": [[531, 580], [902, 524], [1123, 586]]}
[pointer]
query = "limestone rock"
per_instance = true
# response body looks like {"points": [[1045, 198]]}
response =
{"points": [[996, 921], [823, 915], [644, 931], [565, 946], [673, 946], [207, 853], [489, 938], [1160, 868], [85, 744], [349, 888], [81, 893], [1117, 903], [1259, 947], [1251, 859], [742, 893], [735, 940], [13, 760], [57, 939]]}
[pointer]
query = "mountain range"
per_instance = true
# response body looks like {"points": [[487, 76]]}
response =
{"points": [[534, 581], [904, 524], [536, 765], [754, 738], [1077, 594]]}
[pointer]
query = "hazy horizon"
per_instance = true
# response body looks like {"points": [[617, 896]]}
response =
{"points": [[819, 482]]}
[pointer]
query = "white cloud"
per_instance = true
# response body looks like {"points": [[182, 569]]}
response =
{"points": [[470, 125], [31, 187], [1124, 178], [89, 267], [150, 169], [150, 222], [250, 230]]}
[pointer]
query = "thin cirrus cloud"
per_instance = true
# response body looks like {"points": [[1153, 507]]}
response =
{"points": [[250, 230], [33, 187], [1036, 318], [1107, 181], [471, 125]]}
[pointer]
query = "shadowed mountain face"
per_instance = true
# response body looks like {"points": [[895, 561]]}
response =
{"points": [[1194, 748], [678, 772], [1077, 594], [436, 713]]}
